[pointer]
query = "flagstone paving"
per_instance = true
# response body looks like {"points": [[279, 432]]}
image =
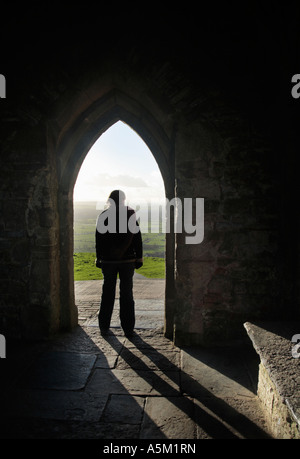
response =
{"points": [[84, 385]]}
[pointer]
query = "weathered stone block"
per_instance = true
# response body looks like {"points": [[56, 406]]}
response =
{"points": [[279, 416]]}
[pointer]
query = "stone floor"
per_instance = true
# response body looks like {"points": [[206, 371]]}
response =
{"points": [[83, 385], [149, 302]]}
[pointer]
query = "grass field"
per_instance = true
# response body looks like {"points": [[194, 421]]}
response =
{"points": [[84, 240], [85, 268], [85, 215]]}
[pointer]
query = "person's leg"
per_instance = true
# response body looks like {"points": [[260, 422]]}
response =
{"points": [[110, 272], [127, 315]]}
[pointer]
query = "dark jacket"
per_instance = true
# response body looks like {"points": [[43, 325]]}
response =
{"points": [[119, 245]]}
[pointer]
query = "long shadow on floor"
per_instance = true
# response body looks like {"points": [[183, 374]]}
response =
{"points": [[68, 388], [47, 391], [212, 415]]}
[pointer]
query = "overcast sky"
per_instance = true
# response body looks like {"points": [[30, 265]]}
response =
{"points": [[119, 159]]}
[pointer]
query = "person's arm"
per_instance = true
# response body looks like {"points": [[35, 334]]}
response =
{"points": [[138, 248], [99, 243]]}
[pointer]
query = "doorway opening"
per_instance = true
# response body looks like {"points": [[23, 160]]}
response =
{"points": [[120, 159]]}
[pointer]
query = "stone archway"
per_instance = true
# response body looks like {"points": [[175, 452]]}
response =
{"points": [[72, 148], [213, 137], [204, 149]]}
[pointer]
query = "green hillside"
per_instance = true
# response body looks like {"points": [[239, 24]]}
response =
{"points": [[85, 269], [85, 215]]}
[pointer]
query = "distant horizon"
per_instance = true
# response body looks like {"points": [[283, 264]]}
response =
{"points": [[119, 159], [144, 201]]}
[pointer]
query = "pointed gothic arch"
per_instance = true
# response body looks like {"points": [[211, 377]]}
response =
{"points": [[73, 146]]}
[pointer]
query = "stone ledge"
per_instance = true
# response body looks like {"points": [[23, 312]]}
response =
{"points": [[279, 374]]}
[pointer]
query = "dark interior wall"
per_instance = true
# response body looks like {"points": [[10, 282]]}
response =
{"points": [[218, 82]]}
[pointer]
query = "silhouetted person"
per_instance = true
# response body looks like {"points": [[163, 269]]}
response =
{"points": [[119, 250]]}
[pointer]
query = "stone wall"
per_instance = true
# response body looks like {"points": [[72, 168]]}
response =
{"points": [[232, 274], [29, 235], [214, 138]]}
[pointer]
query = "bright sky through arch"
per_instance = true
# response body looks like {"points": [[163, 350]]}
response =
{"points": [[119, 159]]}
